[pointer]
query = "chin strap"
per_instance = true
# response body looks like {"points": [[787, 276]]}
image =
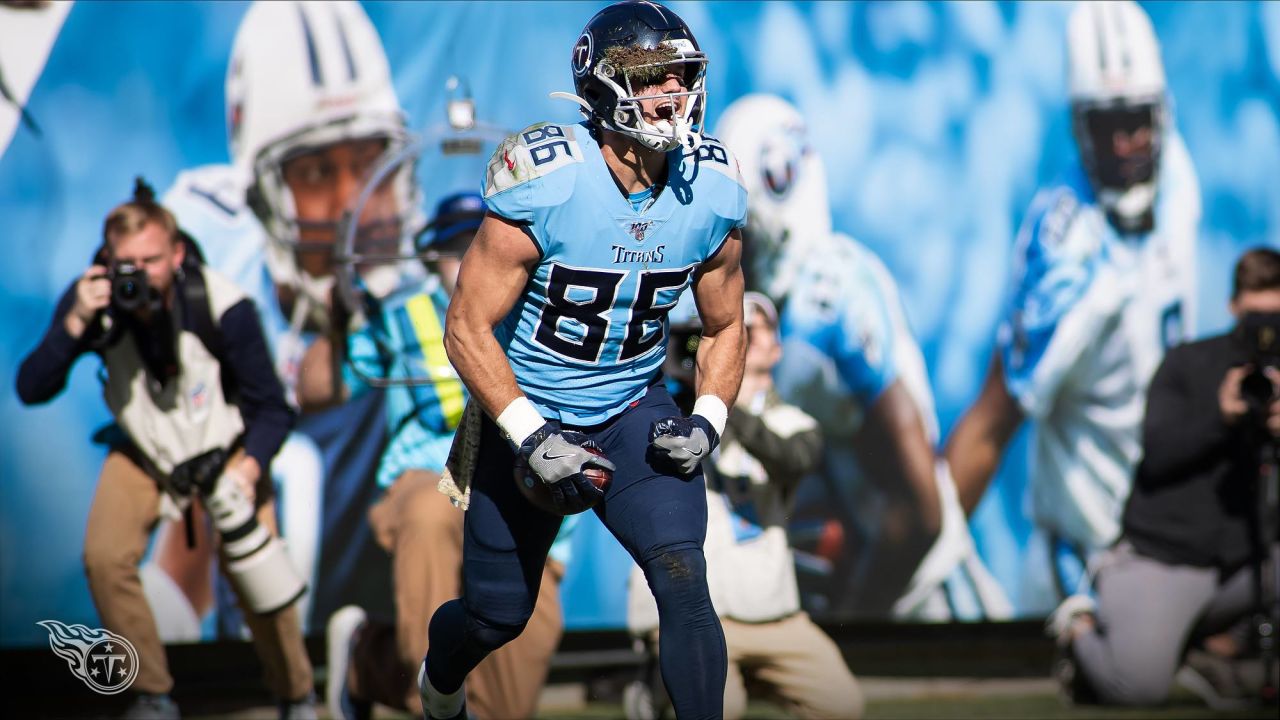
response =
{"points": [[688, 138]]}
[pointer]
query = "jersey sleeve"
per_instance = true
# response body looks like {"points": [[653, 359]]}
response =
{"points": [[522, 179], [728, 194], [1058, 304], [848, 320]]}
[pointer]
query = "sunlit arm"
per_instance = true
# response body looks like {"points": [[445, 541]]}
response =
{"points": [[494, 273], [977, 443], [723, 347]]}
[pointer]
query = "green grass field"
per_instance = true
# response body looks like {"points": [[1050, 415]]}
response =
{"points": [[892, 699]]}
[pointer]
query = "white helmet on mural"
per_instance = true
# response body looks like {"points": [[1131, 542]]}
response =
{"points": [[786, 184], [1116, 85], [304, 75]]}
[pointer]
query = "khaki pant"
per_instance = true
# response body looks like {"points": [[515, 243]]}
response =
{"points": [[124, 512], [793, 662], [798, 663], [423, 532]]}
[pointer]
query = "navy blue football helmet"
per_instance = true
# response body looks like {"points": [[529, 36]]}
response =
{"points": [[608, 92]]}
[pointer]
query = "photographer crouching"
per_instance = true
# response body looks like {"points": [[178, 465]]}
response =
{"points": [[1188, 593], [190, 381]]}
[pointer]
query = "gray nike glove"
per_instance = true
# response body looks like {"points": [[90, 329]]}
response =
{"points": [[681, 443], [558, 458]]}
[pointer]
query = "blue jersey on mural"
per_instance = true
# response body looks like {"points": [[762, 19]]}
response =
{"points": [[598, 299]]}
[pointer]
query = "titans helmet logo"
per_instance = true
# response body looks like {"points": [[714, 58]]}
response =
{"points": [[104, 661], [582, 55]]}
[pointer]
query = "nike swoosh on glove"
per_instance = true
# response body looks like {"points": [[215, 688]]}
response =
{"points": [[680, 443], [558, 458]]}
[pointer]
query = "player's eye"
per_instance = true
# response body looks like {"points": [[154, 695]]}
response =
{"points": [[365, 155], [308, 171]]}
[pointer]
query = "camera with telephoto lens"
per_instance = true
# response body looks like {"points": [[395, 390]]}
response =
{"points": [[257, 561], [129, 289], [1261, 335]]}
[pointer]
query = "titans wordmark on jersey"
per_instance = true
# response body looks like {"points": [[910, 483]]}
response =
{"points": [[589, 334]]}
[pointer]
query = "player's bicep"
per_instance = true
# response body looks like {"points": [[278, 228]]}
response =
{"points": [[718, 287], [495, 270]]}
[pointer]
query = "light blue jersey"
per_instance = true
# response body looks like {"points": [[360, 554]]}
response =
{"points": [[590, 332], [846, 339], [404, 340]]}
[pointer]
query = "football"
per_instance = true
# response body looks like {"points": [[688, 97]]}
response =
{"points": [[537, 492]]}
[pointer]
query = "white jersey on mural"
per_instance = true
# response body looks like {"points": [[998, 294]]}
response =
{"points": [[1091, 315]]}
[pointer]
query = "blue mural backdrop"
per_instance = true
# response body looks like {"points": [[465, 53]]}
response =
{"points": [[937, 122]]}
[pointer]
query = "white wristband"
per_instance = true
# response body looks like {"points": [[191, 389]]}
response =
{"points": [[520, 420], [713, 409]]}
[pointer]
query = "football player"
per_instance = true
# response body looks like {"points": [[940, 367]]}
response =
{"points": [[1104, 283], [850, 360], [558, 328]]}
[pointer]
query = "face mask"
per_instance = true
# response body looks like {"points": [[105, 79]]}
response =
{"points": [[1124, 145]]}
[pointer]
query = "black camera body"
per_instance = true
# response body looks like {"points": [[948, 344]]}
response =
{"points": [[129, 288], [1261, 335], [200, 473]]}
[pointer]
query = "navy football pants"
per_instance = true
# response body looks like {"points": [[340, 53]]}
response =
{"points": [[661, 520]]}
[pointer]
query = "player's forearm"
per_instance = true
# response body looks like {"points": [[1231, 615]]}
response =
{"points": [[973, 455], [894, 449], [483, 367], [720, 359], [977, 443]]}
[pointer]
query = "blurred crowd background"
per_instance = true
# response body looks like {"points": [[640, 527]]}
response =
{"points": [[936, 121]]}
